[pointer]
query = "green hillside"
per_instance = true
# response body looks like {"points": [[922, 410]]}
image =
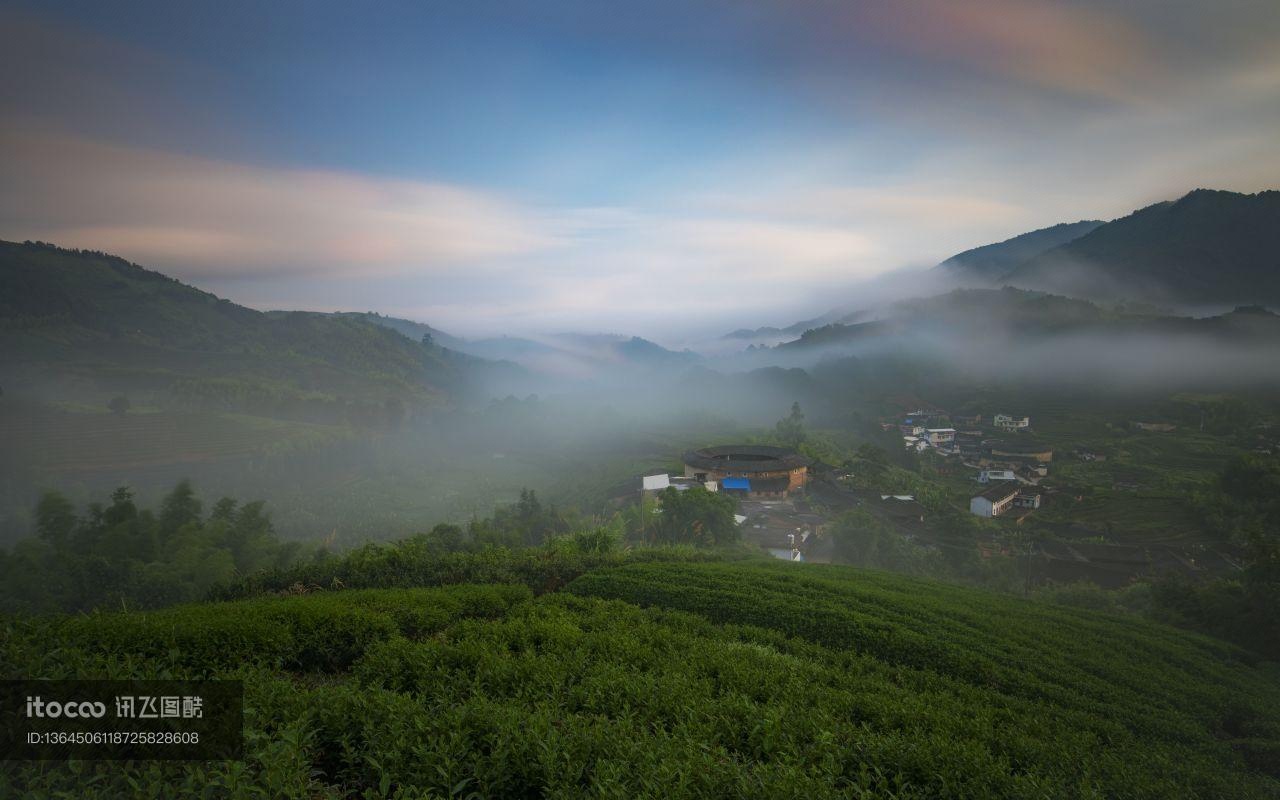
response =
{"points": [[75, 325], [680, 679], [994, 261], [1206, 247]]}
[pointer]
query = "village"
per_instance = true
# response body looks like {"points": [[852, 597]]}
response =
{"points": [[1009, 471], [787, 502]]}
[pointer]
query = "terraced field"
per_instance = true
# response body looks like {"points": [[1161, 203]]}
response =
{"points": [[1134, 517], [698, 679]]}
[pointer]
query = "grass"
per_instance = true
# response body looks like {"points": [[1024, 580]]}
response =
{"points": [[750, 678]]}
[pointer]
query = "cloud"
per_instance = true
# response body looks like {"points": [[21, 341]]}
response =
{"points": [[1056, 46], [748, 162], [217, 217]]}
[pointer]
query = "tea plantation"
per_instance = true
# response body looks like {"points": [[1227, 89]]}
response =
{"points": [[679, 679]]}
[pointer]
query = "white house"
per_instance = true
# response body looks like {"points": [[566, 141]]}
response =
{"points": [[1011, 423], [655, 483], [995, 500], [941, 436], [989, 475]]}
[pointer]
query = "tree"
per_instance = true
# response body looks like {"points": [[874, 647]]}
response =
{"points": [[121, 509], [873, 454], [224, 510], [863, 539], [55, 519], [179, 507], [447, 537], [790, 429], [119, 404], [696, 517]]}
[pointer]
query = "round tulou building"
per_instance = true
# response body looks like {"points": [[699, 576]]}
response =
{"points": [[755, 470]]}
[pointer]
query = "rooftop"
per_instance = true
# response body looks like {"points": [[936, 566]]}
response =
{"points": [[745, 458], [1000, 491]]}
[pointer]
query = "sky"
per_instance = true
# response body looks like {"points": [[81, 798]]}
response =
{"points": [[655, 168]]}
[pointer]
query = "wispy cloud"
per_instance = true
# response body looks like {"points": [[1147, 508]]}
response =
{"points": [[206, 216], [1059, 46]]}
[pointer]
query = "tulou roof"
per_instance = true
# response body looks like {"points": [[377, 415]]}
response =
{"points": [[745, 458]]}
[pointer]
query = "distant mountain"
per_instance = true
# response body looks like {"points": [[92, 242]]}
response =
{"points": [[770, 332], [840, 333], [78, 323], [558, 354], [1209, 247], [993, 261], [413, 330], [629, 350], [1013, 316]]}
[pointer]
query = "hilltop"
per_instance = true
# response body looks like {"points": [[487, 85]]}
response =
{"points": [[1208, 247], [110, 326], [675, 679]]}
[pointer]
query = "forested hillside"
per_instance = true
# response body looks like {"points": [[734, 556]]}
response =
{"points": [[1206, 247], [77, 325], [993, 261]]}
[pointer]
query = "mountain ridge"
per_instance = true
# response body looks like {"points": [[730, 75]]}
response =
{"points": [[1207, 247], [993, 261]]}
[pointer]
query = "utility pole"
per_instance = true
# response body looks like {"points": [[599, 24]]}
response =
{"points": [[1026, 583]]}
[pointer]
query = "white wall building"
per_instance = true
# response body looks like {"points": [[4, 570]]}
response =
{"points": [[994, 501], [1011, 423], [989, 475], [941, 436]]}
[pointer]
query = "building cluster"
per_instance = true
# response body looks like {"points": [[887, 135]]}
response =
{"points": [[1009, 467]]}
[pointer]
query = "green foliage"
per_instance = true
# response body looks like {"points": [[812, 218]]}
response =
{"points": [[86, 314], [120, 555], [525, 523], [790, 429], [1244, 509], [695, 516], [418, 561], [678, 680], [867, 541]]}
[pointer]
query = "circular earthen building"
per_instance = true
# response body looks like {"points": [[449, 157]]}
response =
{"points": [[757, 470]]}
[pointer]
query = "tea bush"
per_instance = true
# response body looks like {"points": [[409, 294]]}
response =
{"points": [[678, 679]]}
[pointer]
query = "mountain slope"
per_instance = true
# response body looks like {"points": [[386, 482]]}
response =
{"points": [[993, 261], [409, 328], [95, 318], [1037, 315], [1209, 247]]}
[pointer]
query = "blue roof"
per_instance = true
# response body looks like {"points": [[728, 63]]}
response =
{"points": [[736, 483]]}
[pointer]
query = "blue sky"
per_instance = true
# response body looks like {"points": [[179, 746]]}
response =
{"points": [[653, 168]]}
